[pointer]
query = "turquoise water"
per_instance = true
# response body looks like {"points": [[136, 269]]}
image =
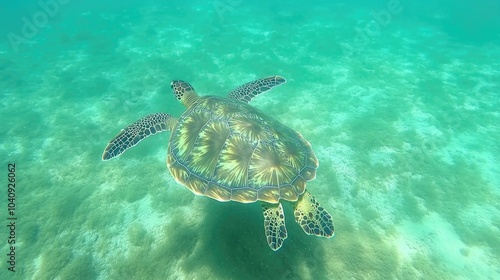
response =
{"points": [[400, 101]]}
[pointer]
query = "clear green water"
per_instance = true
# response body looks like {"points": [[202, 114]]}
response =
{"points": [[404, 120]]}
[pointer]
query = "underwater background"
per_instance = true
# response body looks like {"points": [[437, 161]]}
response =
{"points": [[399, 99]]}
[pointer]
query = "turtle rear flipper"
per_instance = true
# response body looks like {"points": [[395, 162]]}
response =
{"points": [[136, 132], [312, 217], [274, 225]]}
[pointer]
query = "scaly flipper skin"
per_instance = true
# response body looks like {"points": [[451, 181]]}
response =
{"points": [[312, 217], [274, 225], [246, 92], [136, 132]]}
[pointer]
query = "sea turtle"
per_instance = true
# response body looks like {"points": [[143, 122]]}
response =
{"points": [[225, 149]]}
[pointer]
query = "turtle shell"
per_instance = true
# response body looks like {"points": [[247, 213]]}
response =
{"points": [[227, 150]]}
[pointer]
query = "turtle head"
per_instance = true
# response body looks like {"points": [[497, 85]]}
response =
{"points": [[184, 92]]}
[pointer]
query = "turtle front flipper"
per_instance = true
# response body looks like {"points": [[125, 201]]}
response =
{"points": [[246, 92], [274, 225], [312, 217], [134, 133]]}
